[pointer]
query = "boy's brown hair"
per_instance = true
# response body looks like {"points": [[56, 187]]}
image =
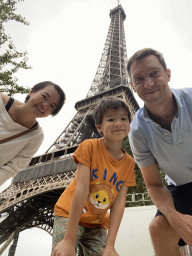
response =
{"points": [[107, 103]]}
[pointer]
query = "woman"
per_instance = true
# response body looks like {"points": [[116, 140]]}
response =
{"points": [[44, 99]]}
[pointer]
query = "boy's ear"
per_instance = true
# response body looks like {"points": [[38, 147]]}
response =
{"points": [[98, 126]]}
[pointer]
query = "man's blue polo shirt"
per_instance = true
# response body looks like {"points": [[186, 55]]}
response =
{"points": [[171, 150]]}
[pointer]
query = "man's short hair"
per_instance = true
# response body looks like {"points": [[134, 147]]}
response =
{"points": [[108, 103], [143, 53]]}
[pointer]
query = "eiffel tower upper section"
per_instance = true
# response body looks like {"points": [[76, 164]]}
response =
{"points": [[111, 73], [111, 70]]}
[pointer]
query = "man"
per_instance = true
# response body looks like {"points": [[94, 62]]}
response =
{"points": [[161, 138]]}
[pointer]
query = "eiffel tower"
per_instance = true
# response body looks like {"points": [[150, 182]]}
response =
{"points": [[30, 199]]}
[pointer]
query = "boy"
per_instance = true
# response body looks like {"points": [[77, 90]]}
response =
{"points": [[104, 172]]}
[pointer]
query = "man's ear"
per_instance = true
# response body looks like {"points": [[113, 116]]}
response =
{"points": [[168, 74], [132, 85]]}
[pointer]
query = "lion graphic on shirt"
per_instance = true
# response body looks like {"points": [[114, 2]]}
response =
{"points": [[100, 198]]}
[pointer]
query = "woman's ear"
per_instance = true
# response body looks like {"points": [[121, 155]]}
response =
{"points": [[28, 96], [29, 93]]}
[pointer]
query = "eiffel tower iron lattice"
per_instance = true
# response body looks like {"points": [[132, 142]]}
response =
{"points": [[30, 199]]}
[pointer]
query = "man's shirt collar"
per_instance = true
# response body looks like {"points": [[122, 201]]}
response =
{"points": [[178, 101]]}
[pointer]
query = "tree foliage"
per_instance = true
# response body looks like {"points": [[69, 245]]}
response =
{"points": [[11, 60]]}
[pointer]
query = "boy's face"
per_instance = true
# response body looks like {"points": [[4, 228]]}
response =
{"points": [[115, 124]]}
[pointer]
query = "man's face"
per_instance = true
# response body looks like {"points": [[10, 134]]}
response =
{"points": [[149, 79]]}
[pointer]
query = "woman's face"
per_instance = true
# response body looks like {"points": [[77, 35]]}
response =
{"points": [[44, 101]]}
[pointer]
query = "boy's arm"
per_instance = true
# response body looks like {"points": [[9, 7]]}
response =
{"points": [[116, 215], [67, 245]]}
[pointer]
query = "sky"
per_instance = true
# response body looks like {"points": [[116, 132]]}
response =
{"points": [[65, 40]]}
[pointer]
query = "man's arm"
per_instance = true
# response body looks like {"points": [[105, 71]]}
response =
{"points": [[163, 200], [116, 215], [67, 245]]}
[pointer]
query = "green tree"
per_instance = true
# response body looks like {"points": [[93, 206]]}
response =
{"points": [[10, 60]]}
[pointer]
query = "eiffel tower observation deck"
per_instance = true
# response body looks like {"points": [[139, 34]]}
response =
{"points": [[30, 199]]}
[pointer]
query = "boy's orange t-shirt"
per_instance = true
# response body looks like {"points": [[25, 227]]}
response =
{"points": [[107, 175]]}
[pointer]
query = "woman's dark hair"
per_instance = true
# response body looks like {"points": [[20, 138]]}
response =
{"points": [[41, 86]]}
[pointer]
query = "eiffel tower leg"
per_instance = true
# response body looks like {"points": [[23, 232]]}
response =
{"points": [[6, 244], [14, 245]]}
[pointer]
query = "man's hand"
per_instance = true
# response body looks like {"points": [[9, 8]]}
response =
{"points": [[182, 223], [110, 251], [64, 248], [163, 200]]}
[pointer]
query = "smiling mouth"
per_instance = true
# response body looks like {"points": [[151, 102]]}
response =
{"points": [[150, 92], [39, 110]]}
